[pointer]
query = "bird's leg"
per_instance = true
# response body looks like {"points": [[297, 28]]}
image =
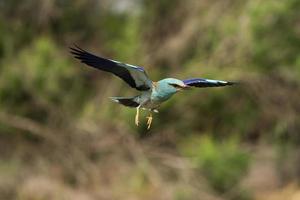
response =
{"points": [[149, 121], [137, 115]]}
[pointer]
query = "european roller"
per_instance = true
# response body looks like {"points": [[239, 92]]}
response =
{"points": [[152, 94]]}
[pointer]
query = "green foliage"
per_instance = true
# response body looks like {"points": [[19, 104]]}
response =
{"points": [[276, 39], [122, 36], [223, 163], [255, 42], [45, 80]]}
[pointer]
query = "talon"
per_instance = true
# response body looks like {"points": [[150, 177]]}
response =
{"points": [[149, 121], [137, 116]]}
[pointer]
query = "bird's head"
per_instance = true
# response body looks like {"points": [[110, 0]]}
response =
{"points": [[172, 85]]}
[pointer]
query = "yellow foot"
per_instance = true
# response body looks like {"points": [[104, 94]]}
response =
{"points": [[149, 121], [136, 121], [137, 116]]}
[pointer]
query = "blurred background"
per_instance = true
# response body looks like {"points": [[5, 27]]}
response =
{"points": [[62, 138]]}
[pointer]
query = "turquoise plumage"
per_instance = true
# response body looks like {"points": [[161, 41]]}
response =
{"points": [[152, 94]]}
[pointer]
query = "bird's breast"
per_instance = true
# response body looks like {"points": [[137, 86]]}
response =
{"points": [[160, 95]]}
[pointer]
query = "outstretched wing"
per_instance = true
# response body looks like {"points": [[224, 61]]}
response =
{"points": [[201, 82], [134, 76]]}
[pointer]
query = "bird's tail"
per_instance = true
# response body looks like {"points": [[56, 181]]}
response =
{"points": [[126, 101]]}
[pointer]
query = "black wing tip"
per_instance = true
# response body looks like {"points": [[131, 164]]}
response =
{"points": [[76, 50], [75, 47]]}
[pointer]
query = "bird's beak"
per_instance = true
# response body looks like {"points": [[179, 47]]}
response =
{"points": [[184, 87]]}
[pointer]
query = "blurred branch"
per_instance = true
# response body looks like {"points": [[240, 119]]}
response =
{"points": [[27, 125]]}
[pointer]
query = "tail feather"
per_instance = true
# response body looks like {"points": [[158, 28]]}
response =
{"points": [[126, 101]]}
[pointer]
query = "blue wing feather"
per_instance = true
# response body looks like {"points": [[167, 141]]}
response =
{"points": [[201, 82]]}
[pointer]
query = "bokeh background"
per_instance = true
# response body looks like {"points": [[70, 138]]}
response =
{"points": [[62, 138]]}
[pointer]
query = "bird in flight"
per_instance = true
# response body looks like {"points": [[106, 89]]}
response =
{"points": [[152, 94]]}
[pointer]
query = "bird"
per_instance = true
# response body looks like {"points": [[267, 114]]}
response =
{"points": [[151, 94]]}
